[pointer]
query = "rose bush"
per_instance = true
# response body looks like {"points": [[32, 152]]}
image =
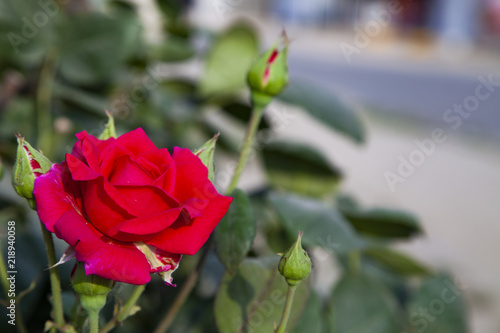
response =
{"points": [[127, 208]]}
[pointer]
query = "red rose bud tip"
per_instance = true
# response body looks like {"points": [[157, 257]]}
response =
{"points": [[30, 164], [268, 75]]}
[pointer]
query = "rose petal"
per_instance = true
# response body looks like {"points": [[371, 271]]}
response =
{"points": [[191, 178], [106, 191], [108, 158], [78, 150], [161, 262], [146, 199], [167, 180], [125, 171], [100, 208], [53, 197], [144, 228], [136, 141], [161, 158], [112, 261], [188, 238]]}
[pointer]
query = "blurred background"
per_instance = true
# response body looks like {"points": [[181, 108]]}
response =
{"points": [[415, 62], [425, 75]]}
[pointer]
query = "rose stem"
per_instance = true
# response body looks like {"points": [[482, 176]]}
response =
{"points": [[5, 284], [55, 281], [125, 311], [186, 289], [247, 146], [190, 282], [3, 273], [286, 312], [43, 98], [94, 321]]}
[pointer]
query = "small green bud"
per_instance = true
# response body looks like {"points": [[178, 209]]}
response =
{"points": [[30, 163], [109, 131], [91, 289], [268, 75], [295, 264]]}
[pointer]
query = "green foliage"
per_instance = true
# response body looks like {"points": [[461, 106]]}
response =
{"points": [[252, 299], [236, 231], [322, 225], [397, 261], [328, 108], [360, 304], [229, 60], [299, 168], [438, 306], [100, 60]]}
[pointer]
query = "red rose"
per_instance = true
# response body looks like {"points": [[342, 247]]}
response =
{"points": [[128, 208]]}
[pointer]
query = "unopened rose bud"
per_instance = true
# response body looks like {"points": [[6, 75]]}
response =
{"points": [[91, 289], [268, 75], [295, 264], [30, 163]]}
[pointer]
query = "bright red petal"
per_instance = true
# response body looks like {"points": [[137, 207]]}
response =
{"points": [[136, 141], [119, 262], [188, 238], [53, 197]]}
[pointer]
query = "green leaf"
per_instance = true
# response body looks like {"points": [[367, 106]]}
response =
{"points": [[206, 154], [361, 305], [243, 112], [173, 49], [380, 222], [438, 307], [322, 225], [229, 60], [94, 46], [300, 168], [311, 320], [327, 107], [235, 232], [252, 299], [396, 261]]}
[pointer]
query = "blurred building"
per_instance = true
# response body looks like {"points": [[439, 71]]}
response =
{"points": [[449, 21]]}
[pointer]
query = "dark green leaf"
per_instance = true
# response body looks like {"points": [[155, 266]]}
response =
{"points": [[173, 49], [361, 305], [311, 320], [380, 222], [327, 107], [94, 47], [396, 261], [322, 225], [438, 307], [229, 60], [252, 299], [300, 168], [235, 232], [243, 112]]}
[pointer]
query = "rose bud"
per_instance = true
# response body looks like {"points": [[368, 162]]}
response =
{"points": [[128, 208], [295, 264], [91, 289], [268, 75], [30, 164]]}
